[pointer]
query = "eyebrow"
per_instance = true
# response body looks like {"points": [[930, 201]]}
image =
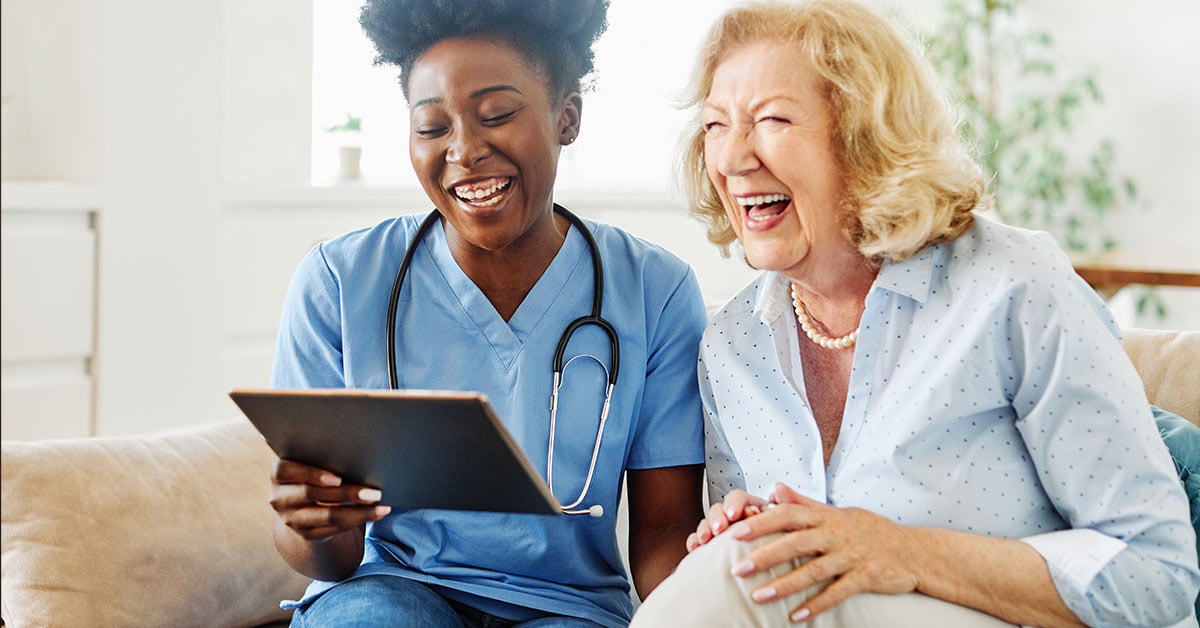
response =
{"points": [[755, 106], [475, 94]]}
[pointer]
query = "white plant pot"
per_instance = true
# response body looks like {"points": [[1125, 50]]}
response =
{"points": [[351, 160]]}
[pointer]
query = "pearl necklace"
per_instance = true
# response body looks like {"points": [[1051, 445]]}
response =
{"points": [[814, 335]]}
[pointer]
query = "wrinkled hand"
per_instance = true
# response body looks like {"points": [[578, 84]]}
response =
{"points": [[860, 551], [315, 504], [738, 505]]}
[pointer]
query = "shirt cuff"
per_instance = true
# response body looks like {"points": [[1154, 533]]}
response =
{"points": [[1078, 554]]}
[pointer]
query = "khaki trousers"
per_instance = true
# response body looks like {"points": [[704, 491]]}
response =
{"points": [[703, 593]]}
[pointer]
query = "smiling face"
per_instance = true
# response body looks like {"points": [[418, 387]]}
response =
{"points": [[484, 140], [769, 154]]}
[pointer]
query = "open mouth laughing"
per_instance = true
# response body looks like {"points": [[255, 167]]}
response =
{"points": [[483, 193], [762, 208]]}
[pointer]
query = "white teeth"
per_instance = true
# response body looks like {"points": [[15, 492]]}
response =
{"points": [[469, 194], [751, 201]]}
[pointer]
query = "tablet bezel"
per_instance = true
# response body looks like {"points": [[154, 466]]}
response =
{"points": [[421, 448]]}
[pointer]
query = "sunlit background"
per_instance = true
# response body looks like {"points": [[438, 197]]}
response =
{"points": [[1148, 100], [166, 165]]}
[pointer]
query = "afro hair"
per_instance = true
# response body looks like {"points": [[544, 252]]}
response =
{"points": [[556, 35]]}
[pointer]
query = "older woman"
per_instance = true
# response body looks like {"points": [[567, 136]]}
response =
{"points": [[915, 417], [496, 275]]}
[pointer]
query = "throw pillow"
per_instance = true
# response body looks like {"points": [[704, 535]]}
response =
{"points": [[170, 529]]}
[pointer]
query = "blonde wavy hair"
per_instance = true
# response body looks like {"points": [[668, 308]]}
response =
{"points": [[909, 181]]}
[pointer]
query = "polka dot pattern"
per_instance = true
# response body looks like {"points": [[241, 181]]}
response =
{"points": [[989, 393]]}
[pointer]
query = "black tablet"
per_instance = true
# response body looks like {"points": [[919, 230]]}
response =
{"points": [[421, 448]]}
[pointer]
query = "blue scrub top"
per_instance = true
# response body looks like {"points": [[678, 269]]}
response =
{"points": [[449, 337]]}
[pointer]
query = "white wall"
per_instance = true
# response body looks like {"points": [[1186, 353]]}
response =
{"points": [[51, 89], [266, 91], [190, 120], [136, 100], [160, 184]]}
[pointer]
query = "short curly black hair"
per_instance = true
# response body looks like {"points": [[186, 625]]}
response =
{"points": [[557, 35]]}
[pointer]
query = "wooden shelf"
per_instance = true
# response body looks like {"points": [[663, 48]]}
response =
{"points": [[1110, 271]]}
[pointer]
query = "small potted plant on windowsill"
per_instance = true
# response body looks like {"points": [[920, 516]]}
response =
{"points": [[349, 134]]}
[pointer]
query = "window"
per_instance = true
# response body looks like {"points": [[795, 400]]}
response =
{"points": [[630, 127], [345, 81]]}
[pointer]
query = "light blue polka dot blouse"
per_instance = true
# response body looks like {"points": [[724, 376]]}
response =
{"points": [[989, 393]]}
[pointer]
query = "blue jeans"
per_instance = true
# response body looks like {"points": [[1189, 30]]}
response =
{"points": [[380, 601]]}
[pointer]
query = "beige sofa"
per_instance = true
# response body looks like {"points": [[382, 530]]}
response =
{"points": [[174, 529]]}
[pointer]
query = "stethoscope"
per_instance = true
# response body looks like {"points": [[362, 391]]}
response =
{"points": [[558, 366]]}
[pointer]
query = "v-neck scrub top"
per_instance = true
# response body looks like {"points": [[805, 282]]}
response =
{"points": [[449, 337]]}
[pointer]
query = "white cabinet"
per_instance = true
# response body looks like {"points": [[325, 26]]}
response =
{"points": [[48, 296]]}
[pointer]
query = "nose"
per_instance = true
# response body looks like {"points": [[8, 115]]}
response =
{"points": [[466, 147], [735, 153]]}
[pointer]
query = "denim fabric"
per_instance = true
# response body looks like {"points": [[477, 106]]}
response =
{"points": [[380, 601], [1183, 441]]}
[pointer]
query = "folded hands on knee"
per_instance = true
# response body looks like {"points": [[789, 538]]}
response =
{"points": [[854, 550]]}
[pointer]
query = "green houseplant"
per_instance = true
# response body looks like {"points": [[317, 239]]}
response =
{"points": [[1020, 115], [349, 134]]}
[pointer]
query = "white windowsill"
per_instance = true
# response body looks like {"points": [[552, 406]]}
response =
{"points": [[362, 194]]}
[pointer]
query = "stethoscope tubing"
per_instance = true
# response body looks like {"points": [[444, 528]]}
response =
{"points": [[557, 366]]}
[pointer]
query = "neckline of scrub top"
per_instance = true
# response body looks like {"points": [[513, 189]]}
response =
{"points": [[507, 338]]}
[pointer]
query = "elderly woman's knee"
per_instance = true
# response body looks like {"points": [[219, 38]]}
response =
{"points": [[703, 592]]}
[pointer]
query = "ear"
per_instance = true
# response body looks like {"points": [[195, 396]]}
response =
{"points": [[568, 121]]}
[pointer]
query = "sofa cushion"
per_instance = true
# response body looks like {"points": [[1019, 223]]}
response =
{"points": [[1182, 439], [1169, 365], [170, 529]]}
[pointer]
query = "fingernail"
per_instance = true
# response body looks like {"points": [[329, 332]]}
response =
{"points": [[381, 511], [764, 594], [743, 567], [370, 495], [800, 615], [730, 512], [329, 479], [715, 526], [739, 530]]}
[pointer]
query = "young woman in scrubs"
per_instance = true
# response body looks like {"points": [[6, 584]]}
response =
{"points": [[493, 91]]}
